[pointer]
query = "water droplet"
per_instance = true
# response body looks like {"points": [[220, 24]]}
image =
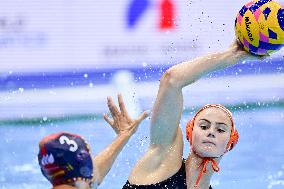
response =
{"points": [[21, 90]]}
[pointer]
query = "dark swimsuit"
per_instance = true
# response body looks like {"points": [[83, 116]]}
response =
{"points": [[177, 181]]}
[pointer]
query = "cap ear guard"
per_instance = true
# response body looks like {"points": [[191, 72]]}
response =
{"points": [[234, 138], [189, 128]]}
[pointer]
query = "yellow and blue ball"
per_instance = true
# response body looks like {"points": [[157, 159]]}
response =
{"points": [[259, 27]]}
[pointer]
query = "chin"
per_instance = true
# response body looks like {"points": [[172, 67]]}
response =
{"points": [[208, 152]]}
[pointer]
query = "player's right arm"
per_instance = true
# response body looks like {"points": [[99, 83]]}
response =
{"points": [[164, 156]]}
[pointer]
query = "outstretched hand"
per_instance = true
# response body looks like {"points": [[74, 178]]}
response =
{"points": [[121, 122]]}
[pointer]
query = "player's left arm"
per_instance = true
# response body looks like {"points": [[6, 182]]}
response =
{"points": [[124, 127]]}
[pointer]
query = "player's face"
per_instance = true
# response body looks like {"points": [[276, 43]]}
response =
{"points": [[211, 132]]}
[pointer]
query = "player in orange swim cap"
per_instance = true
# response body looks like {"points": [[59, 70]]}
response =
{"points": [[204, 143], [211, 131], [65, 158]]}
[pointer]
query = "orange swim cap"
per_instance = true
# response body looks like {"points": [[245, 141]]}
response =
{"points": [[234, 137]]}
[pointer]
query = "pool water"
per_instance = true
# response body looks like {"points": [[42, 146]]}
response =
{"points": [[256, 162]]}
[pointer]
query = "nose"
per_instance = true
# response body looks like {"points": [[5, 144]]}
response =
{"points": [[211, 133]]}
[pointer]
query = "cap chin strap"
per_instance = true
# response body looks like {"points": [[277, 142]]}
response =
{"points": [[203, 164]]}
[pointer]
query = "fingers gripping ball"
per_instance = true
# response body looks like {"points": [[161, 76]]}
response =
{"points": [[259, 27]]}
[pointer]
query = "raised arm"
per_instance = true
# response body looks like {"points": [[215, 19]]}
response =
{"points": [[124, 127], [169, 103]]}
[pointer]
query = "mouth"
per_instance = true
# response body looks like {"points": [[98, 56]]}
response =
{"points": [[209, 142]]}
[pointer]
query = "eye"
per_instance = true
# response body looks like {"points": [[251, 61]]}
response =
{"points": [[203, 127], [221, 130]]}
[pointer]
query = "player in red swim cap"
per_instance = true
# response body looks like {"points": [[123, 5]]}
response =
{"points": [[65, 159], [211, 131]]}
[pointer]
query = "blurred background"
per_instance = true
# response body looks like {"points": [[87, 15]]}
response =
{"points": [[60, 59]]}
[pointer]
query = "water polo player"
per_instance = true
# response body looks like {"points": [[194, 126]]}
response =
{"points": [[65, 159], [211, 132]]}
